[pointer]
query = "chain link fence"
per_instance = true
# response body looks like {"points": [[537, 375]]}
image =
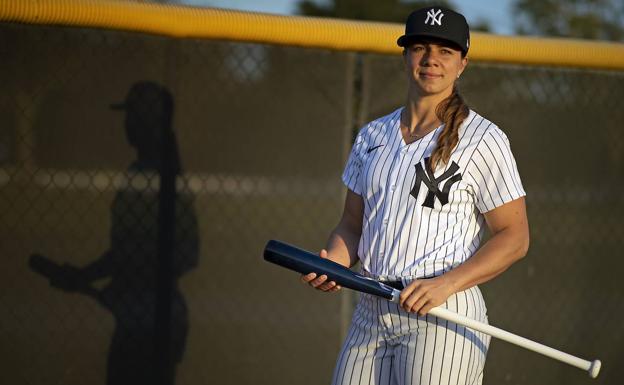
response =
{"points": [[565, 130], [141, 176]]}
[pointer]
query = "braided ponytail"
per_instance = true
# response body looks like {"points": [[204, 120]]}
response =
{"points": [[451, 111]]}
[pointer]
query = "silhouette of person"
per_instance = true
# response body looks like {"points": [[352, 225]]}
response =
{"points": [[154, 242]]}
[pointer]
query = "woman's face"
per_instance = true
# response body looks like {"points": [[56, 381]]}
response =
{"points": [[433, 66]]}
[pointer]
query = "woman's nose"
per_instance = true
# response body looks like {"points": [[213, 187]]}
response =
{"points": [[426, 58], [429, 58]]}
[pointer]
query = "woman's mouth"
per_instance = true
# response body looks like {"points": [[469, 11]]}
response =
{"points": [[429, 75]]}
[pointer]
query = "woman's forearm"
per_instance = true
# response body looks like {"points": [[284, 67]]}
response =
{"points": [[494, 257], [342, 245], [343, 241]]}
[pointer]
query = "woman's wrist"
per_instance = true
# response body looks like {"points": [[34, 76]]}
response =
{"points": [[451, 280]]}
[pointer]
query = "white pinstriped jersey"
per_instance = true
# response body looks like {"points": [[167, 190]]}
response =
{"points": [[421, 225]]}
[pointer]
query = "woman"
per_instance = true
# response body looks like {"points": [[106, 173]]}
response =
{"points": [[423, 184]]}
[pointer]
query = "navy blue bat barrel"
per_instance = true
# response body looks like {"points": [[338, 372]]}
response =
{"points": [[305, 262]]}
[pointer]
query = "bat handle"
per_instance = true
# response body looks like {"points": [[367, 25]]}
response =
{"points": [[592, 367]]}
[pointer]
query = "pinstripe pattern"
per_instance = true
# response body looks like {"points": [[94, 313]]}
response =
{"points": [[388, 346], [400, 237], [420, 224]]}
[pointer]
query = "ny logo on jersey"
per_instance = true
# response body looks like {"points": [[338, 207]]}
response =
{"points": [[434, 16], [425, 175]]}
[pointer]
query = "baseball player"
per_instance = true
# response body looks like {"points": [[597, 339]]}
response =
{"points": [[424, 183]]}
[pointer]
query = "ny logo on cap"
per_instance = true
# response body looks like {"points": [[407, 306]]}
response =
{"points": [[434, 16]]}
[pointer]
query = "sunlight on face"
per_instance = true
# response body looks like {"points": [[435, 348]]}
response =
{"points": [[433, 66]]}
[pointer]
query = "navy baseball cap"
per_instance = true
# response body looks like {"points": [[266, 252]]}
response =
{"points": [[437, 22]]}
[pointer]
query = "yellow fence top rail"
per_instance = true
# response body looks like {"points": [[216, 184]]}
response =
{"points": [[192, 22]]}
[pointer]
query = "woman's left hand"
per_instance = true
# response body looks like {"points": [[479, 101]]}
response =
{"points": [[423, 295]]}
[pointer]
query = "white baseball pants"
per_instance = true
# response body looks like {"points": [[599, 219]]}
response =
{"points": [[388, 346]]}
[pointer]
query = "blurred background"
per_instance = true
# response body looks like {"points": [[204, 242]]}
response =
{"points": [[587, 19], [141, 176]]}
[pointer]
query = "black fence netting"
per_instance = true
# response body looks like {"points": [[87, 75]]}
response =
{"points": [[141, 176]]}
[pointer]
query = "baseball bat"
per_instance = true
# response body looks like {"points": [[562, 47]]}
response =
{"points": [[45, 267], [305, 262], [58, 277]]}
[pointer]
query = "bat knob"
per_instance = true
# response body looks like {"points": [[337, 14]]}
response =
{"points": [[594, 368]]}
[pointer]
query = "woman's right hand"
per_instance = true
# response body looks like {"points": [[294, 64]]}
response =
{"points": [[320, 283]]}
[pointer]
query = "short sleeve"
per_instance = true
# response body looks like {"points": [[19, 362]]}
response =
{"points": [[494, 172], [353, 170]]}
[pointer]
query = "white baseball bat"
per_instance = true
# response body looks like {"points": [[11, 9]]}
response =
{"points": [[592, 367]]}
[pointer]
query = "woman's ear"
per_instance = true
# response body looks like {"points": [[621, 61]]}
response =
{"points": [[464, 63]]}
